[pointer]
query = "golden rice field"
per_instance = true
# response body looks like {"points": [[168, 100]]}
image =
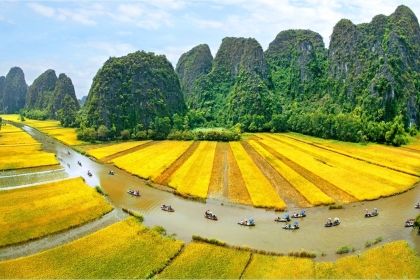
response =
{"points": [[106, 151], [12, 135], [311, 192], [151, 161], [277, 267], [193, 177], [125, 249], [261, 191], [395, 260], [401, 158], [201, 260], [340, 170], [24, 156], [32, 212], [51, 128]]}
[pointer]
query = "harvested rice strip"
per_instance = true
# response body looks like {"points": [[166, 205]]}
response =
{"points": [[110, 158], [150, 162], [329, 189], [360, 187], [201, 260], [261, 191], [163, 178], [103, 152], [270, 267], [217, 184], [193, 177], [283, 188], [400, 181], [237, 191], [395, 260], [123, 250], [47, 208], [312, 193]]}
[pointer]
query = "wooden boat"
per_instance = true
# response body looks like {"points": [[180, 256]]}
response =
{"points": [[286, 219], [371, 214], [409, 223], [133, 193], [417, 206], [89, 174], [332, 224], [299, 215], [294, 226], [210, 216], [110, 172], [167, 208], [247, 223]]}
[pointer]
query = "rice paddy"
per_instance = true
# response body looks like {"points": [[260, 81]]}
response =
{"points": [[275, 267], [36, 211], [391, 261], [138, 252], [202, 260], [24, 156], [193, 177], [150, 162]]}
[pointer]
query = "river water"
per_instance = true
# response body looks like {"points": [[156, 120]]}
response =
{"points": [[188, 218]]}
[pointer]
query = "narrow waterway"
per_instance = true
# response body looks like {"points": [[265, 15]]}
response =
{"points": [[188, 218]]}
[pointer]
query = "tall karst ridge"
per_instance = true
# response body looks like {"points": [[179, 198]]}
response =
{"points": [[13, 91], [370, 71], [134, 90], [297, 62], [191, 66], [377, 64], [41, 91], [237, 88], [48, 93]]}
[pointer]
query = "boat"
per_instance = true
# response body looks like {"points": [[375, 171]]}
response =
{"points": [[332, 224], [371, 214], [285, 219], [110, 172], [248, 223], [209, 215], [294, 226], [409, 223], [79, 163], [417, 206], [132, 192], [167, 208], [299, 215], [89, 173]]}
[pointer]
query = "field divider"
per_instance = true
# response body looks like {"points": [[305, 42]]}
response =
{"points": [[352, 157], [129, 151]]}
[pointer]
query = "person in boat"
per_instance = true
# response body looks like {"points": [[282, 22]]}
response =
{"points": [[376, 210], [206, 213], [137, 192], [329, 221]]}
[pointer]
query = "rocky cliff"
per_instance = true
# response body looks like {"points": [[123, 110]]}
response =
{"points": [[133, 90], [191, 66], [14, 91], [237, 88], [41, 92], [63, 88]]}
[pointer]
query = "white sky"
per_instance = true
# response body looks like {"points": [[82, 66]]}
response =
{"points": [[77, 37]]}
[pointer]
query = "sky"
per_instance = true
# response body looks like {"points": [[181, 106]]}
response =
{"points": [[77, 37]]}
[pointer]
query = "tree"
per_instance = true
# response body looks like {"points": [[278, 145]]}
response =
{"points": [[1, 122], [68, 112], [102, 132], [125, 134], [396, 134]]}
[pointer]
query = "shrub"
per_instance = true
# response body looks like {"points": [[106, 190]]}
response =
{"points": [[101, 191], [343, 250]]}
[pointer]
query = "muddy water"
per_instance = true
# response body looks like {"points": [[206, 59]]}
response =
{"points": [[188, 217]]}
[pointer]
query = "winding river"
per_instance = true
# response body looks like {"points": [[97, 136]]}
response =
{"points": [[188, 218]]}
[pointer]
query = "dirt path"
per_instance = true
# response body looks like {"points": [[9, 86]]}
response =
{"points": [[58, 239], [163, 178], [129, 151], [284, 189], [329, 189]]}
